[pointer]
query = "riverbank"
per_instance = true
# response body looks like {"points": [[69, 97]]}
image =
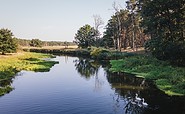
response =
{"points": [[169, 79], [92, 52], [11, 64]]}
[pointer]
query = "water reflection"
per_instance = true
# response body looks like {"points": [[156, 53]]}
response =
{"points": [[134, 95], [86, 68], [89, 68], [126, 87], [5, 87], [141, 96], [113, 93], [6, 84]]}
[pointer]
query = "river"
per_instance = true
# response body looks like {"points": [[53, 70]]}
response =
{"points": [[80, 86]]}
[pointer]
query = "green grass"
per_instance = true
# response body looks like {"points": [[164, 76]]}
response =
{"points": [[169, 79], [9, 66]]}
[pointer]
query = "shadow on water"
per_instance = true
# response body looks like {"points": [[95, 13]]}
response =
{"points": [[139, 96]]}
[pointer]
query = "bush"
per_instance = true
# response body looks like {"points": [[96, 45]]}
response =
{"points": [[99, 53]]}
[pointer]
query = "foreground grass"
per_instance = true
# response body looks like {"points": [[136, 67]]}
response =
{"points": [[10, 65], [169, 79]]}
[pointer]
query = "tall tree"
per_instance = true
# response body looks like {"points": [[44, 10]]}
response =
{"points": [[124, 36], [164, 20], [132, 6], [7, 43], [110, 35], [98, 22], [85, 36], [119, 27]]}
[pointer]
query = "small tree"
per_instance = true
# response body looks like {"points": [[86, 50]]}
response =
{"points": [[36, 43], [7, 43], [85, 36]]}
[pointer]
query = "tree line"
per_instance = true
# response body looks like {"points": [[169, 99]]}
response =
{"points": [[10, 44], [39, 43], [157, 25]]}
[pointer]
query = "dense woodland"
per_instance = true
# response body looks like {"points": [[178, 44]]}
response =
{"points": [[158, 25]]}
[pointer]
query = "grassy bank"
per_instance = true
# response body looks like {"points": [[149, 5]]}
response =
{"points": [[169, 79], [10, 65]]}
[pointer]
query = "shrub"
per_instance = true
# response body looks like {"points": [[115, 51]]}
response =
{"points": [[99, 53]]}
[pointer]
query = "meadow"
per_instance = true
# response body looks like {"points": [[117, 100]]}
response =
{"points": [[11, 64]]}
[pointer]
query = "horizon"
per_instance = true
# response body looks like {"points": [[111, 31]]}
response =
{"points": [[53, 20]]}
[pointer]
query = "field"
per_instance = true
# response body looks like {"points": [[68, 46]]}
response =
{"points": [[52, 47]]}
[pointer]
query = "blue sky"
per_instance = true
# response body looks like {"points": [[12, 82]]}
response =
{"points": [[52, 20]]}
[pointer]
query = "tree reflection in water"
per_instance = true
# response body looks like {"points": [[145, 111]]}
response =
{"points": [[5, 85], [125, 87], [87, 69]]}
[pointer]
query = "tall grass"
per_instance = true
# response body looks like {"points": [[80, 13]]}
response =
{"points": [[9, 66], [167, 78]]}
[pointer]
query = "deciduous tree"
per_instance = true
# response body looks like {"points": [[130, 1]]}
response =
{"points": [[85, 36]]}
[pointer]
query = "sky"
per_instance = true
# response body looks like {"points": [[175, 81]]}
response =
{"points": [[53, 20]]}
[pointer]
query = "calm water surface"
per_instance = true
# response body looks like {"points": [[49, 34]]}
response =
{"points": [[77, 86]]}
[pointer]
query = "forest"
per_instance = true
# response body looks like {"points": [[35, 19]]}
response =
{"points": [[158, 26]]}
